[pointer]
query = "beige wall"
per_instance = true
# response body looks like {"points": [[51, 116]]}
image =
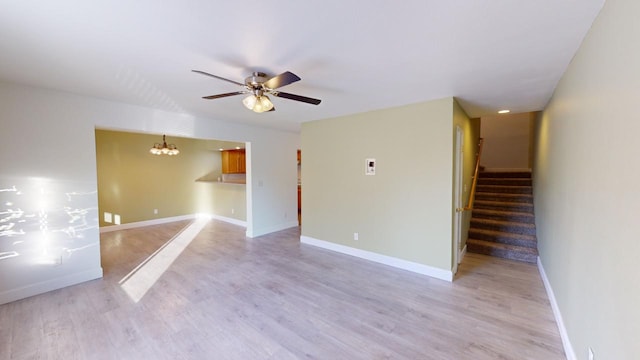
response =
{"points": [[405, 210], [586, 188], [132, 182], [506, 141]]}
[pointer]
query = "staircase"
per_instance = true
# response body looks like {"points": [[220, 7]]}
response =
{"points": [[502, 223]]}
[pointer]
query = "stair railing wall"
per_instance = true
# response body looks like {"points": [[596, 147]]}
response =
{"points": [[472, 194]]}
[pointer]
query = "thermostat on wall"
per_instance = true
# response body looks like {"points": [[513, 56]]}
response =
{"points": [[370, 167]]}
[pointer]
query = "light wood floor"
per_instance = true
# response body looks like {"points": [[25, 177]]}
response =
{"points": [[228, 297]]}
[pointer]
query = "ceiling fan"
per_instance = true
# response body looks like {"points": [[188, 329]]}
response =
{"points": [[258, 85]]}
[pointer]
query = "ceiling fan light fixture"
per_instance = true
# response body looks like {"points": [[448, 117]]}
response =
{"points": [[258, 104], [250, 101], [257, 86], [263, 104]]}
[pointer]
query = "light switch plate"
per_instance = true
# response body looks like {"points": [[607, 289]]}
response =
{"points": [[370, 168]]}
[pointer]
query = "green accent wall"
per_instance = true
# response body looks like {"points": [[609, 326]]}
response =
{"points": [[471, 130], [405, 210], [133, 182], [587, 203]]}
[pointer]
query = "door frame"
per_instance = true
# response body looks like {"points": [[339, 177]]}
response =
{"points": [[458, 197]]}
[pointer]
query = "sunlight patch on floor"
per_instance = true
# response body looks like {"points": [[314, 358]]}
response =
{"points": [[138, 282]]}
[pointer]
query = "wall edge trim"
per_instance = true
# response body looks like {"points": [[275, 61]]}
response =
{"points": [[271, 229], [49, 285], [463, 253], [138, 224], [382, 259], [144, 223], [566, 343], [226, 219]]}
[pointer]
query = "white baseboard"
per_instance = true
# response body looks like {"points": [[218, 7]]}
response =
{"points": [[49, 285], [170, 219], [382, 259], [229, 220], [271, 229], [138, 224], [566, 343], [463, 252]]}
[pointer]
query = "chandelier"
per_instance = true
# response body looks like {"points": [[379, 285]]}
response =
{"points": [[164, 149]]}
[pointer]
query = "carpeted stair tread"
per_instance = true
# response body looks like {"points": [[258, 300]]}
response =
{"points": [[504, 189], [491, 196], [512, 216], [502, 250], [504, 205], [504, 174], [504, 237], [503, 222], [504, 181], [506, 226]]}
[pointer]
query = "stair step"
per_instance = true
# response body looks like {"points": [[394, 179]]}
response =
{"points": [[503, 221], [520, 217], [502, 250], [505, 181], [504, 189], [503, 205], [522, 198], [504, 226], [504, 238], [505, 174]]}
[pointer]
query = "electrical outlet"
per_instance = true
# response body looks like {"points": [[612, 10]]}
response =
{"points": [[355, 236], [233, 211], [155, 211], [591, 356]]}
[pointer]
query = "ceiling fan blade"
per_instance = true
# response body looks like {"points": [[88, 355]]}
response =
{"points": [[217, 77], [305, 99], [281, 80], [223, 95]]}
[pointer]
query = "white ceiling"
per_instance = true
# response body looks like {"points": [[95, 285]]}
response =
{"points": [[355, 56]]}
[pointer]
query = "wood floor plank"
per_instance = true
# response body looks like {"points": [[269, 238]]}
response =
{"points": [[230, 297]]}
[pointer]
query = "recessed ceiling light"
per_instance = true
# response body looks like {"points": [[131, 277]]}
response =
{"points": [[504, 111]]}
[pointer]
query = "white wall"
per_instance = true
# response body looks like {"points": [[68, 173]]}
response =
{"points": [[506, 141], [587, 202], [47, 152]]}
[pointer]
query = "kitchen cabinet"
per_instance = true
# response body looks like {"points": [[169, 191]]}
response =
{"points": [[234, 161]]}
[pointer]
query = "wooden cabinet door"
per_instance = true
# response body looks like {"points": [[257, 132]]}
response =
{"points": [[229, 162], [242, 164], [233, 162]]}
